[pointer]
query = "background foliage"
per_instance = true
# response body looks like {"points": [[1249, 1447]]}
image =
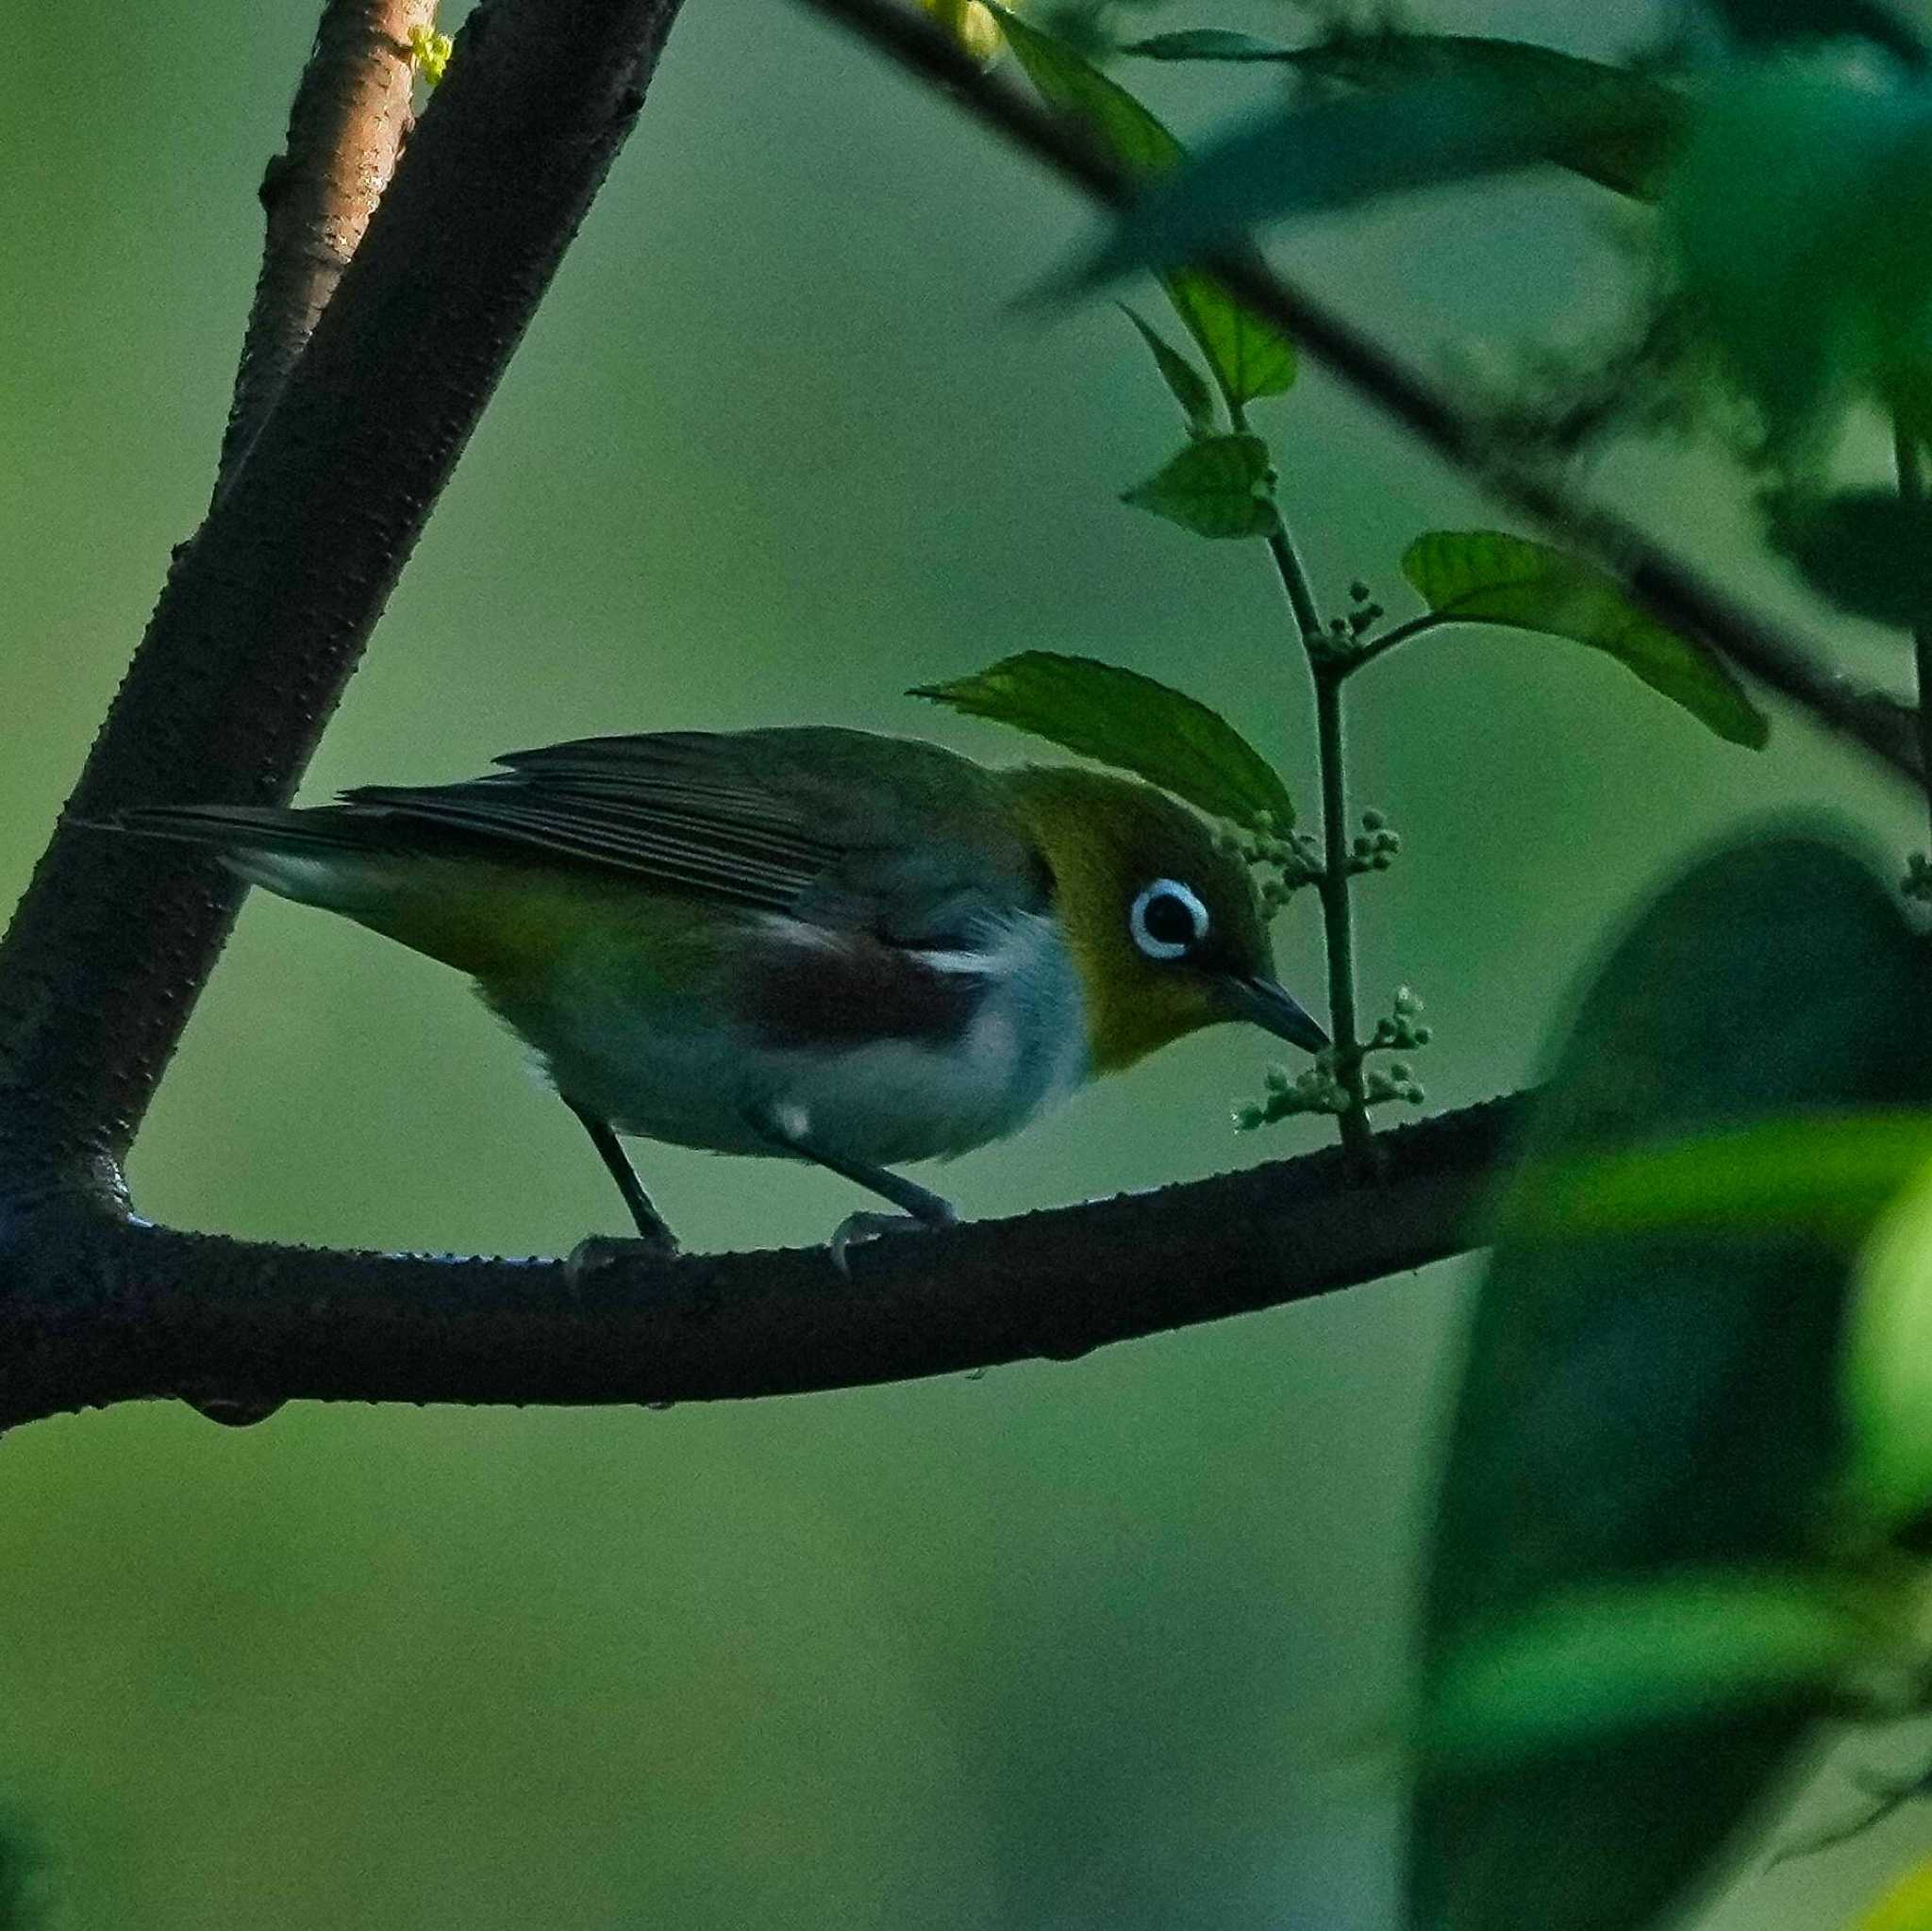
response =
{"points": [[1113, 1644]]}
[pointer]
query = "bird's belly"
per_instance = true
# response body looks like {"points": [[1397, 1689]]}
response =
{"points": [[882, 1101]]}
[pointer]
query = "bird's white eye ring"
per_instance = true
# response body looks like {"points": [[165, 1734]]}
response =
{"points": [[1167, 921]]}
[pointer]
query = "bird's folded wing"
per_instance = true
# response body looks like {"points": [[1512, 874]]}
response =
{"points": [[818, 823]]}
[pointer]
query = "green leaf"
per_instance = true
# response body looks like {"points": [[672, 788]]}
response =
{"points": [[1185, 383], [1800, 216], [1772, 20], [1825, 1173], [1483, 576], [1617, 128], [1248, 356], [1643, 1405], [1905, 1904], [1333, 154], [1122, 719], [1597, 1665], [1076, 87], [1867, 551], [1888, 1362], [1219, 486]]}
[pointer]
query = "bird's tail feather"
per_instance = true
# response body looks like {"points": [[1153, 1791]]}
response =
{"points": [[258, 828], [310, 855]]}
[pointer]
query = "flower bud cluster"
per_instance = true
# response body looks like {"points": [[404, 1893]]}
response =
{"points": [[1318, 1088], [1381, 1085], [1375, 848], [1314, 1089], [1402, 1030], [1295, 858], [1343, 639]]}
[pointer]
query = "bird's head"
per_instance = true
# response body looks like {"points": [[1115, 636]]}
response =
{"points": [[1164, 923]]}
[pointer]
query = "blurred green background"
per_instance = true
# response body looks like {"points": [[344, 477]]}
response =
{"points": [[1112, 1645]]}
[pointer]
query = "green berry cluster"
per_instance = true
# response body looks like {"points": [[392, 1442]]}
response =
{"points": [[1315, 1089], [1917, 883], [1375, 850], [1293, 857], [1393, 1082], [1402, 1030], [1318, 1088], [1343, 638]]}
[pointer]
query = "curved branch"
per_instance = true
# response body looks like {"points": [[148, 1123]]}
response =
{"points": [[104, 1309], [1666, 585], [348, 124], [265, 613]]}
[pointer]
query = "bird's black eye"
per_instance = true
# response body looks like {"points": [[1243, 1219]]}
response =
{"points": [[1167, 921]]}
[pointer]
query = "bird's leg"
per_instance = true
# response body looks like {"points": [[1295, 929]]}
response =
{"points": [[919, 1206], [651, 1226]]}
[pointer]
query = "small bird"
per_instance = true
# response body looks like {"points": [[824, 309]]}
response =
{"points": [[823, 944]]}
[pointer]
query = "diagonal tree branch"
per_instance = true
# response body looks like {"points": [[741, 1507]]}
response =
{"points": [[348, 124], [1667, 585], [104, 1312], [265, 613]]}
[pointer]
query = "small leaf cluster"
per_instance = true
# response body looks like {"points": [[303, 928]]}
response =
{"points": [[429, 53]]}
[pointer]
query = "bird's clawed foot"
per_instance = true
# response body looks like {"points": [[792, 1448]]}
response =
{"points": [[858, 1229], [597, 1252]]}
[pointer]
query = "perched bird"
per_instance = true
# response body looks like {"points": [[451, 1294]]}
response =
{"points": [[816, 943]]}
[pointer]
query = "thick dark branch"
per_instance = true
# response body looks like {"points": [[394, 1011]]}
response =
{"points": [[103, 1311], [265, 613], [1667, 585], [350, 118]]}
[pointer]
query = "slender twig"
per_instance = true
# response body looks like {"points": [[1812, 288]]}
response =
{"points": [[350, 118], [100, 1311], [1296, 583], [1911, 489], [1665, 583], [1336, 881], [1381, 646], [1337, 913], [265, 613]]}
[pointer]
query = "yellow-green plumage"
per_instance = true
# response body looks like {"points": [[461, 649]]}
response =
{"points": [[1105, 838]]}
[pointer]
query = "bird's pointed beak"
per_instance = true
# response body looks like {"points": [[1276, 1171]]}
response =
{"points": [[1267, 1006]]}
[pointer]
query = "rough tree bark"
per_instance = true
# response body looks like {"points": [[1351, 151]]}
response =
{"points": [[346, 129]]}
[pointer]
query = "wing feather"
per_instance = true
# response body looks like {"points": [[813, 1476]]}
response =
{"points": [[832, 827]]}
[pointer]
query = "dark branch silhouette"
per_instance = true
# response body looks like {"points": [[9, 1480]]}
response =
{"points": [[102, 1313]]}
